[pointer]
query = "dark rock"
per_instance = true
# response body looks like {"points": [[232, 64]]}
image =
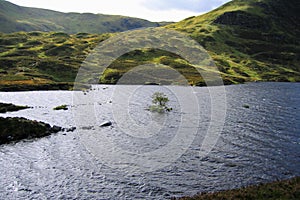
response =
{"points": [[106, 123], [246, 106], [56, 129], [70, 129]]}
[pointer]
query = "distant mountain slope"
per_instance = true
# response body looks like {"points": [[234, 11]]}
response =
{"points": [[251, 39], [15, 18]]}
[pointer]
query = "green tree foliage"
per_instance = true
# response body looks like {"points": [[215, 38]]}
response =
{"points": [[160, 101]]}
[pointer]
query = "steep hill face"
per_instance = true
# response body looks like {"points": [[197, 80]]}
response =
{"points": [[251, 39], [15, 18]]}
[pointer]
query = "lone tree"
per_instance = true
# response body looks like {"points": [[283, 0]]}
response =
{"points": [[159, 101]]}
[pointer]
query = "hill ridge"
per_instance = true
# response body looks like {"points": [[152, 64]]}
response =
{"points": [[16, 18]]}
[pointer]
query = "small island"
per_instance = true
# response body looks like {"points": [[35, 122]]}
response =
{"points": [[61, 107]]}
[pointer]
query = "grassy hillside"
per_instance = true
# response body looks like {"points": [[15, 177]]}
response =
{"points": [[42, 61], [15, 18], [283, 190], [251, 39], [38, 60]]}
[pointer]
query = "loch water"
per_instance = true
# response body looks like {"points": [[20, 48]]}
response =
{"points": [[259, 142]]}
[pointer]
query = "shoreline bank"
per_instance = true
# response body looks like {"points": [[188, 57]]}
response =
{"points": [[285, 189]]}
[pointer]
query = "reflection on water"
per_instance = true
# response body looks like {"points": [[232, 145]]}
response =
{"points": [[258, 144]]}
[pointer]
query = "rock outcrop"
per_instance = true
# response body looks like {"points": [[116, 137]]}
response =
{"points": [[8, 107], [16, 129]]}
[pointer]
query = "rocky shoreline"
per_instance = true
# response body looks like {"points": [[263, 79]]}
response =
{"points": [[16, 129], [8, 107], [36, 87], [13, 129]]}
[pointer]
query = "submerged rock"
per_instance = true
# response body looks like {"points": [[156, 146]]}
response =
{"points": [[87, 128]]}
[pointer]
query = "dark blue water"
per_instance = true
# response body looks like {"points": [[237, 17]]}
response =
{"points": [[258, 144]]}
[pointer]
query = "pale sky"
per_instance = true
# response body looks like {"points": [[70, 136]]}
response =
{"points": [[153, 10]]}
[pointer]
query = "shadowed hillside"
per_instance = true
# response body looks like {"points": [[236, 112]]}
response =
{"points": [[251, 39], [15, 18]]}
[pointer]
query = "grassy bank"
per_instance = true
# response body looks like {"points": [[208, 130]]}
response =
{"points": [[283, 190]]}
